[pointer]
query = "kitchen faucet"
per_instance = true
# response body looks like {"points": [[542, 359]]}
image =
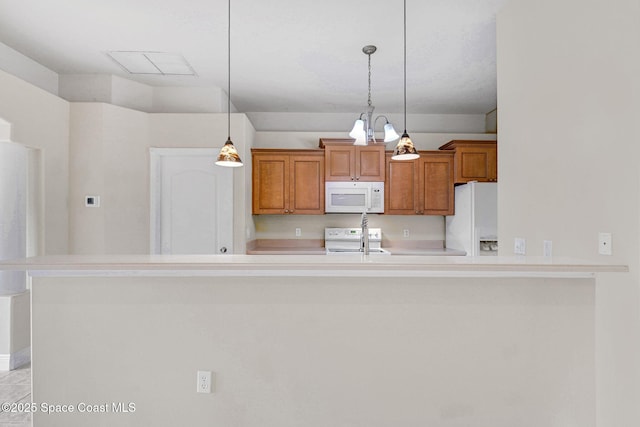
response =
{"points": [[364, 235]]}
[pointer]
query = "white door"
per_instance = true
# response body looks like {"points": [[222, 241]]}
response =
{"points": [[192, 202]]}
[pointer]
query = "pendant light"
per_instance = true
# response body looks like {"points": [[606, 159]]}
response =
{"points": [[405, 149], [364, 129], [228, 155]]}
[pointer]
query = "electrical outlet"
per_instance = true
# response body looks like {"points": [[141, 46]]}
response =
{"points": [[405, 232], [519, 247], [298, 232], [604, 244], [547, 247], [204, 382]]}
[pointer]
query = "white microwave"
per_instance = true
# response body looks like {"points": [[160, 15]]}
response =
{"points": [[354, 197]]}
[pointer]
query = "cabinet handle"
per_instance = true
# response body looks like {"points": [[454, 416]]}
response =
{"points": [[286, 211], [358, 179], [351, 178]]}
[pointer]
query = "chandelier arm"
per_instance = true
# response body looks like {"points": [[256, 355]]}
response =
{"points": [[380, 117]]}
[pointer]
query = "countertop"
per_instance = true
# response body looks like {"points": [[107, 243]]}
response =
{"points": [[308, 265], [426, 251], [316, 247], [286, 247]]}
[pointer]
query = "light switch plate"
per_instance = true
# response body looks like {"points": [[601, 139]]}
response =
{"points": [[547, 248], [519, 247], [604, 244]]}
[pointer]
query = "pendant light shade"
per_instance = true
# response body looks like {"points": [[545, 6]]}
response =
{"points": [[228, 155], [358, 133], [405, 150], [390, 133]]}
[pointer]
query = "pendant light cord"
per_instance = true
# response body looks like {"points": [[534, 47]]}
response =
{"points": [[229, 73], [405, 66]]}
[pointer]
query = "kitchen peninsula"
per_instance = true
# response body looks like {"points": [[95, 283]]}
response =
{"points": [[314, 341]]}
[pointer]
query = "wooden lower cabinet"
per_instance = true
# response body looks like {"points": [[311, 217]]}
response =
{"points": [[287, 182], [420, 187]]}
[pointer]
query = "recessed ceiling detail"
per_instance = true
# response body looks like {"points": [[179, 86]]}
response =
{"points": [[451, 50], [161, 63]]}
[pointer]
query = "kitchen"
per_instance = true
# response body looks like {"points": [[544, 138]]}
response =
{"points": [[382, 185], [544, 146]]}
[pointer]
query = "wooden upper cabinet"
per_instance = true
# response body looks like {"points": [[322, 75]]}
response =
{"points": [[369, 163], [270, 177], [474, 160], [401, 187], [435, 183], [340, 163], [347, 162], [287, 181], [306, 183], [420, 187]]}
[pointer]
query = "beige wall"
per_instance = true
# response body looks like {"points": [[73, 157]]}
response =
{"points": [[41, 120], [110, 158], [317, 351], [569, 102]]}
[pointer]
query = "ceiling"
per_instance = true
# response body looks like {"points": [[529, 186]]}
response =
{"points": [[286, 55]]}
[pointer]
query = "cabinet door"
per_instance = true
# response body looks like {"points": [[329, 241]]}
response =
{"points": [[270, 183], [306, 184], [436, 184], [401, 187], [370, 163], [476, 164], [340, 162]]}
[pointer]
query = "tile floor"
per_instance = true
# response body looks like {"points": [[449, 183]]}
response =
{"points": [[15, 386]]}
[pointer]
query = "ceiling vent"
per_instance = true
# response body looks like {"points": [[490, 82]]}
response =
{"points": [[161, 63]]}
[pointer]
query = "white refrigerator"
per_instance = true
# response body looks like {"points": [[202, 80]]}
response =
{"points": [[474, 227]]}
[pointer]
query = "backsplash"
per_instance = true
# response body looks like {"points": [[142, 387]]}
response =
{"points": [[312, 226]]}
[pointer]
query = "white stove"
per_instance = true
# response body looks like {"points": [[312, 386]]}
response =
{"points": [[349, 241]]}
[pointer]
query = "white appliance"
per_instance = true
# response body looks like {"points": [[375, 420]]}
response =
{"points": [[474, 227], [354, 197], [339, 241]]}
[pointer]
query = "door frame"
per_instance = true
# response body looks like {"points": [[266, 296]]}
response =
{"points": [[155, 182]]}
